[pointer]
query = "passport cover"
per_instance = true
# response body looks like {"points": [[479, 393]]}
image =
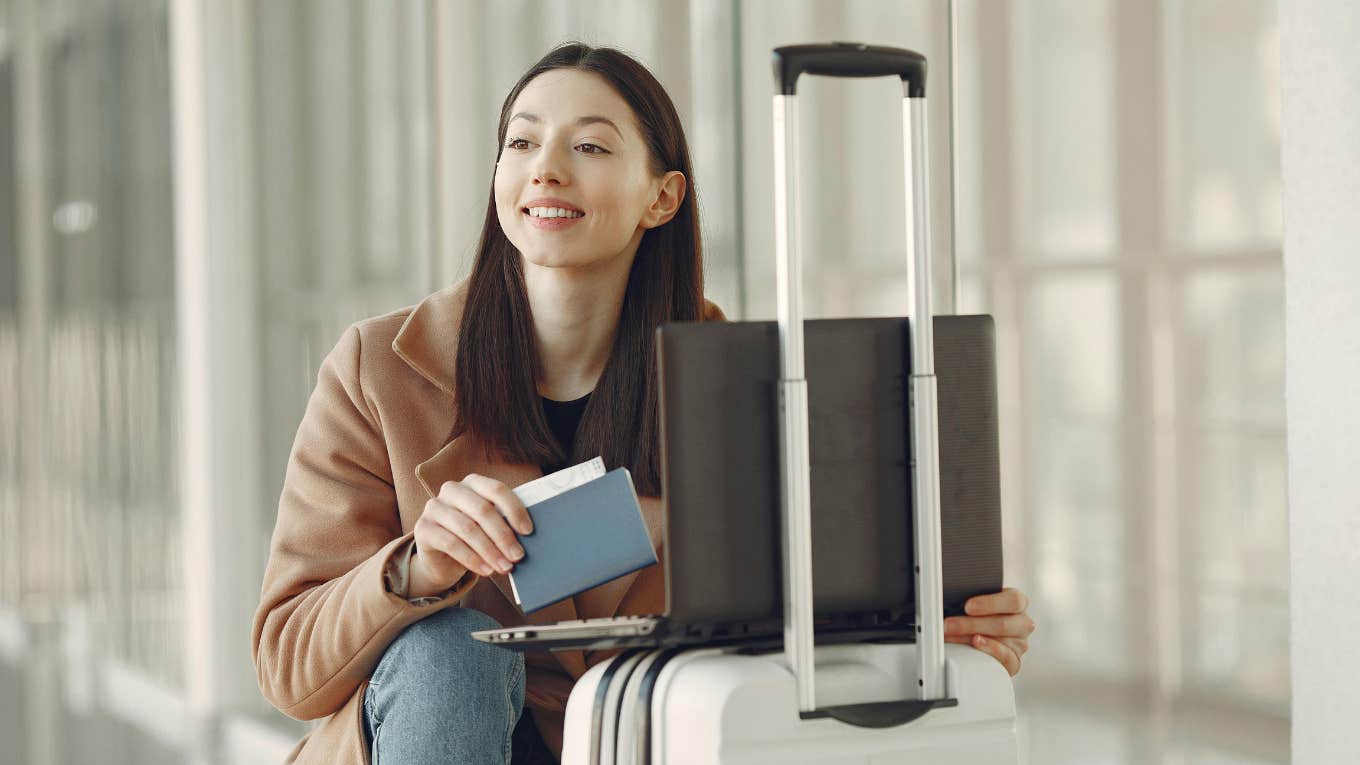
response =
{"points": [[582, 537]]}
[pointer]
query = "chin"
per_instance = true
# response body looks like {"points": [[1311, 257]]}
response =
{"points": [[569, 259], [553, 259]]}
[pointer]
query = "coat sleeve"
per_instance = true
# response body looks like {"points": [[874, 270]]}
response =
{"points": [[325, 616]]}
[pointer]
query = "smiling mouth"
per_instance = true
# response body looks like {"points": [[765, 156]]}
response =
{"points": [[552, 213]]}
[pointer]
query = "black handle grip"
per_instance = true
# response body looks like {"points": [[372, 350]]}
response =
{"points": [[848, 59], [879, 714]]}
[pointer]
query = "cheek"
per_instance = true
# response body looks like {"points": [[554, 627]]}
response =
{"points": [[504, 189], [500, 184], [627, 201]]}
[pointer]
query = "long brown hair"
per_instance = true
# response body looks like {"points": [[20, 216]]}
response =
{"points": [[497, 366]]}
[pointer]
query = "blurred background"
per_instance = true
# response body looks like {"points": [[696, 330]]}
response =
{"points": [[197, 196]]}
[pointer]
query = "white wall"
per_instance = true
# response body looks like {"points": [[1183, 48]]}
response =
{"points": [[1320, 68]]}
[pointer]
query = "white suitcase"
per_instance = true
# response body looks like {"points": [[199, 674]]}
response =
{"points": [[858, 703], [716, 706]]}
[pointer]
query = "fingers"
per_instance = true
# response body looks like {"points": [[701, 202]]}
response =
{"points": [[444, 529], [1005, 637], [504, 499], [433, 542], [999, 651], [471, 532], [1008, 601], [490, 525], [1018, 646], [1018, 625]]}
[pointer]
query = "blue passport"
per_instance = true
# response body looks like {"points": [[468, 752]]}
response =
{"points": [[582, 537]]}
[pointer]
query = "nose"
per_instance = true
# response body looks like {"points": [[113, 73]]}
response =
{"points": [[549, 169]]}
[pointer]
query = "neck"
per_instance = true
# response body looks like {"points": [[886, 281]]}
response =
{"points": [[576, 317]]}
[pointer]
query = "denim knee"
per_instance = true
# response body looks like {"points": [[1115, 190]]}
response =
{"points": [[439, 695]]}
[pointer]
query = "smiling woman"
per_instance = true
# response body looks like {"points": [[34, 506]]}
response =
{"points": [[396, 504]]}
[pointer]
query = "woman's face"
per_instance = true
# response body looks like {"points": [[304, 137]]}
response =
{"points": [[574, 186]]}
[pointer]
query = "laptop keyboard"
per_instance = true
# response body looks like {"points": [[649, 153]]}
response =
{"points": [[605, 620]]}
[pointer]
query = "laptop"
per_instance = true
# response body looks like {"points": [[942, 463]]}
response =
{"points": [[720, 483]]}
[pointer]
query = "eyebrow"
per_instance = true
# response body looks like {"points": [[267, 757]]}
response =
{"points": [[589, 119]]}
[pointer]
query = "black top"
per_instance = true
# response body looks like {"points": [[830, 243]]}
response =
{"points": [[563, 419]]}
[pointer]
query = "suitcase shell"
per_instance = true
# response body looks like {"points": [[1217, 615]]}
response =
{"points": [[858, 703], [718, 706]]}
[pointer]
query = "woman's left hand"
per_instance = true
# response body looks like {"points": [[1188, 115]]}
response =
{"points": [[996, 624]]}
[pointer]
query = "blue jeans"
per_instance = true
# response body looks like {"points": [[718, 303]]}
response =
{"points": [[438, 696]]}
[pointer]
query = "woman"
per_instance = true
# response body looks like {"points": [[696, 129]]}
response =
{"points": [[397, 525]]}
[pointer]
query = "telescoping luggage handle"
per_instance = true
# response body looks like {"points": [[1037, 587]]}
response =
{"points": [[856, 60]]}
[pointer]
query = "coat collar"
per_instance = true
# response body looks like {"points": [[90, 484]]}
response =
{"points": [[428, 342], [428, 339]]}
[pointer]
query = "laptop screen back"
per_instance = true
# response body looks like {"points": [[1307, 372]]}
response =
{"points": [[720, 473]]}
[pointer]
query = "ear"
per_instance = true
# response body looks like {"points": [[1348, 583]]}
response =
{"points": [[668, 198]]}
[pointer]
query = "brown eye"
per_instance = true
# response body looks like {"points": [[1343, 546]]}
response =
{"points": [[514, 143], [591, 148]]}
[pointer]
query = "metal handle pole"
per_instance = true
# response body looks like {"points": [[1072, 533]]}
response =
{"points": [[796, 520], [924, 415]]}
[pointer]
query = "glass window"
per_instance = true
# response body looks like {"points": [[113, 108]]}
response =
{"points": [[113, 526], [1072, 348], [1062, 86], [1142, 374], [1071, 465], [342, 173], [1231, 361], [851, 171], [1237, 648], [1225, 148]]}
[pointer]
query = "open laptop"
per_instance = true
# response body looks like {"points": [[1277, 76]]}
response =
{"points": [[720, 481]]}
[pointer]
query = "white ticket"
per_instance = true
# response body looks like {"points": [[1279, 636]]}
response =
{"points": [[551, 485]]}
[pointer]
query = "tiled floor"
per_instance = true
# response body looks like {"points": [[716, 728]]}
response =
{"points": [[1073, 731]]}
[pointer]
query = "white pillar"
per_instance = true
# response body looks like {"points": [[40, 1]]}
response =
{"points": [[1320, 90], [216, 294], [459, 110], [41, 671]]}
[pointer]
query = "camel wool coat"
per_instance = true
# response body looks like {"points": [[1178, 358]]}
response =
{"points": [[372, 448]]}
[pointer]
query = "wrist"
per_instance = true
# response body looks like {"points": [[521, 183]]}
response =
{"points": [[421, 584]]}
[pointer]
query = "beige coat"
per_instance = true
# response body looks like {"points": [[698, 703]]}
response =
{"points": [[371, 450]]}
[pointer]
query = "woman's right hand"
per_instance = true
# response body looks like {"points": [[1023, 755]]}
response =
{"points": [[466, 528]]}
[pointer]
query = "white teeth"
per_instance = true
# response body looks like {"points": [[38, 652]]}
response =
{"points": [[554, 212]]}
